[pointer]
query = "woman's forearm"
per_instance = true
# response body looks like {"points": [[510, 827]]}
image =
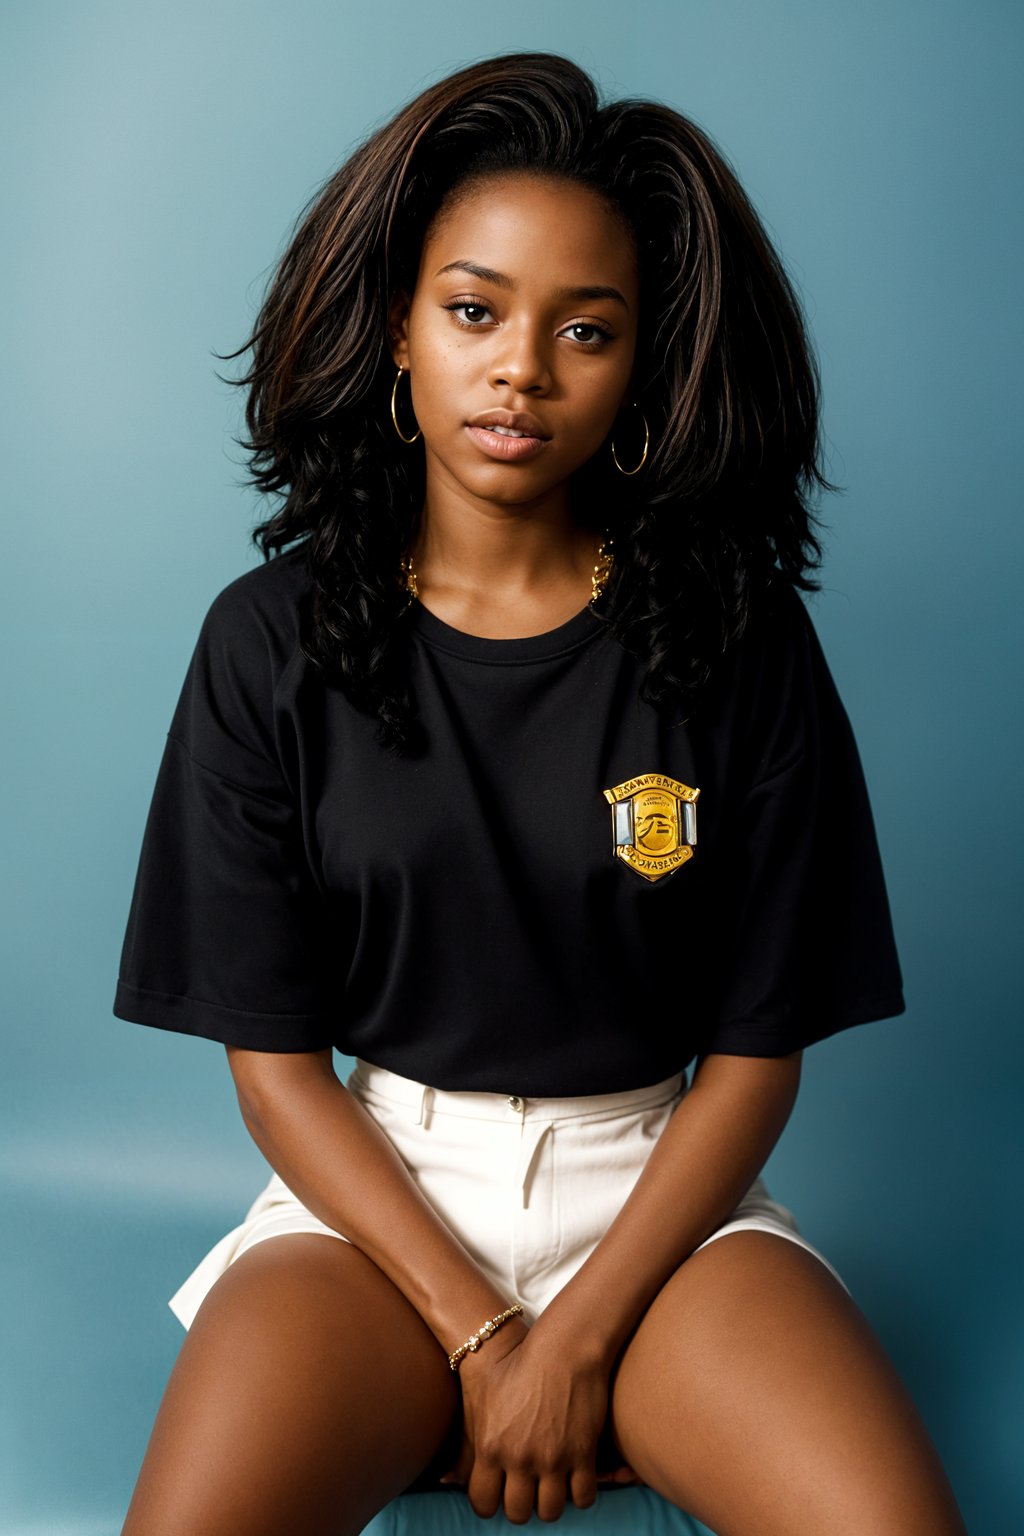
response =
{"points": [[331, 1153], [714, 1146]]}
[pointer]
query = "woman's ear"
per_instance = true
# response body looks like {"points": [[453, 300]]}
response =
{"points": [[398, 329]]}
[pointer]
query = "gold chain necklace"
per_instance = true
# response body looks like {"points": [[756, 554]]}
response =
{"points": [[598, 581], [603, 568]]}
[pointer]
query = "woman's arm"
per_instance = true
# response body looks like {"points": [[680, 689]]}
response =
{"points": [[712, 1149], [337, 1160], [532, 1417]]}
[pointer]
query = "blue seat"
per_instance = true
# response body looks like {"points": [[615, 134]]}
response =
{"points": [[629, 1511]]}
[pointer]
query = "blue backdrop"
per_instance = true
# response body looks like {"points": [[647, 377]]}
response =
{"points": [[156, 159]]}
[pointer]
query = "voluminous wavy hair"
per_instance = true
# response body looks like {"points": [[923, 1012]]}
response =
{"points": [[723, 374]]}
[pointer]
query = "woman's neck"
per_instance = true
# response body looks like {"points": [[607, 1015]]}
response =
{"points": [[502, 572]]}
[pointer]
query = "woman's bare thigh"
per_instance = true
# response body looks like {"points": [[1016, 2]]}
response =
{"points": [[755, 1395], [307, 1394]]}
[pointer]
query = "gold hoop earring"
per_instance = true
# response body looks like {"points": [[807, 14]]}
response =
{"points": [[643, 460], [394, 418]]}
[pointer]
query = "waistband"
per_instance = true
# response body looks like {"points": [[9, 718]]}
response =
{"points": [[423, 1100]]}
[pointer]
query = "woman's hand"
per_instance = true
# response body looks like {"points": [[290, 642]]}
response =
{"points": [[531, 1422]]}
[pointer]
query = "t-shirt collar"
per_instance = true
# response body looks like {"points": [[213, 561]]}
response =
{"points": [[583, 626]]}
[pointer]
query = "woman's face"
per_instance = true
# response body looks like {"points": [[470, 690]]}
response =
{"points": [[525, 304]]}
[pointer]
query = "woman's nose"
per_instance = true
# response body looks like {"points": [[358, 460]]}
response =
{"points": [[521, 362]]}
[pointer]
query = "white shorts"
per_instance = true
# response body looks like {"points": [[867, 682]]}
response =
{"points": [[528, 1186]]}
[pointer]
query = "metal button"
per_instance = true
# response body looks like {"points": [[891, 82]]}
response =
{"points": [[515, 1102]]}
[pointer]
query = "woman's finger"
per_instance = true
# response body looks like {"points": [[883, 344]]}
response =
{"points": [[551, 1496], [459, 1473], [462, 1466], [484, 1489], [520, 1492], [583, 1486], [624, 1474]]}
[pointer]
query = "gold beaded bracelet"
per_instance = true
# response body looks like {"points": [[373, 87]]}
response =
{"points": [[474, 1341]]}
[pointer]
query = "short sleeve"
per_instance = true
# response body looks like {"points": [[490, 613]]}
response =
{"points": [[226, 932], [807, 943]]}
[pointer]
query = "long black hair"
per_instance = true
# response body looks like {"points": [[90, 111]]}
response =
{"points": [[724, 376]]}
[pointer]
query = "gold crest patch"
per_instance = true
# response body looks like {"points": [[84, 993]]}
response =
{"points": [[654, 823]]}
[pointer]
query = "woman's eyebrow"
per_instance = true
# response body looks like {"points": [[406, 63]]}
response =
{"points": [[488, 275]]}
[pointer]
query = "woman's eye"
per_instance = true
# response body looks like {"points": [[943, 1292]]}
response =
{"points": [[597, 337], [473, 311]]}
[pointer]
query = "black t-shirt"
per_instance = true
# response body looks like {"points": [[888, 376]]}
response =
{"points": [[570, 892]]}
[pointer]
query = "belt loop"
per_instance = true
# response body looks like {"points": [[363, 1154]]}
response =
{"points": [[426, 1106]]}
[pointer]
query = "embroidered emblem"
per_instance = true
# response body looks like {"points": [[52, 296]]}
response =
{"points": [[654, 823]]}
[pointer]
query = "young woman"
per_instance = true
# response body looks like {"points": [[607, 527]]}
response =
{"points": [[535, 394]]}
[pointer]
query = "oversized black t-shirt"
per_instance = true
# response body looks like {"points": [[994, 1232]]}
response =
{"points": [[569, 892]]}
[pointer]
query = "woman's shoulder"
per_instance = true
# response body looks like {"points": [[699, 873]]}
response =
{"points": [[778, 616], [267, 601], [773, 648], [245, 654], [762, 703]]}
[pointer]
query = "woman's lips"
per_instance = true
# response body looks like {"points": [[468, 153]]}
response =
{"points": [[498, 446]]}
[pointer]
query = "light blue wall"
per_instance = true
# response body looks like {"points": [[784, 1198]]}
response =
{"points": [[156, 158]]}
